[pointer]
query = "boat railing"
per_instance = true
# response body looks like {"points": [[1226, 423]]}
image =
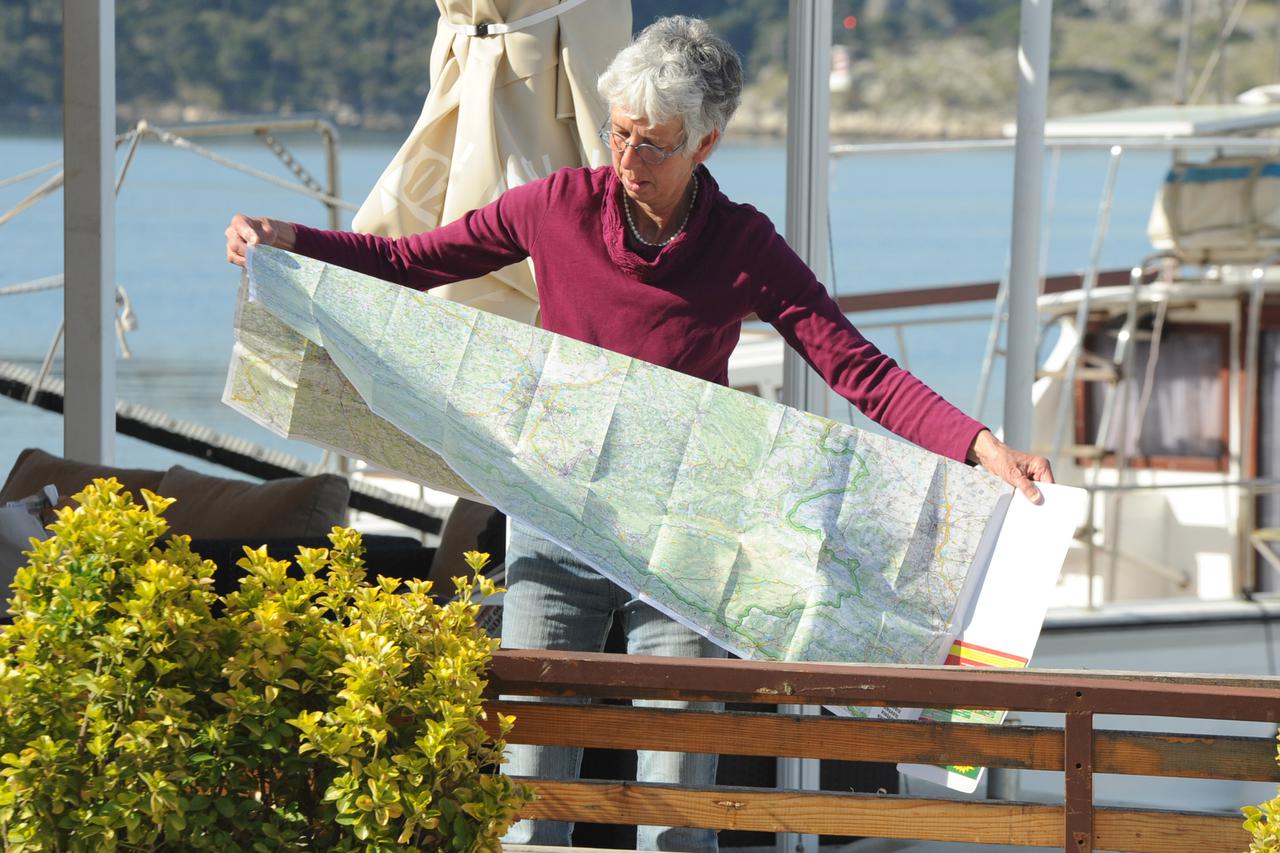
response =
{"points": [[155, 427], [1260, 539], [1091, 278], [179, 137], [1263, 541], [1057, 144], [1077, 749], [1116, 147]]}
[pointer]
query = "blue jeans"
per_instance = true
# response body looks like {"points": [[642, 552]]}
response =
{"points": [[555, 601]]}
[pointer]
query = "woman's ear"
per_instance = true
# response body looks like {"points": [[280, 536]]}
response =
{"points": [[706, 146]]}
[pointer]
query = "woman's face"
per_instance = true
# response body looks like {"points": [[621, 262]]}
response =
{"points": [[658, 186]]}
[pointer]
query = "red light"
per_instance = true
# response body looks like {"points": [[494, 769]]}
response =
{"points": [[850, 22]]}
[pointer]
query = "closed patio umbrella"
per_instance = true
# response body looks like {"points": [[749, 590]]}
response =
{"points": [[513, 98]]}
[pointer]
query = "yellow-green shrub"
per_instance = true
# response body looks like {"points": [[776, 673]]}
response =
{"points": [[1263, 823], [309, 710]]}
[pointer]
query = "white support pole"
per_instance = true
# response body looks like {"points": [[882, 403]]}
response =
{"points": [[808, 169], [1028, 175], [89, 234], [808, 166]]}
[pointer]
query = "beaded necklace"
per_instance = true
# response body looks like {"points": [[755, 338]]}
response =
{"points": [[635, 232]]}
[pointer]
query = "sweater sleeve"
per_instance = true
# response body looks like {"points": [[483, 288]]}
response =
{"points": [[479, 242], [793, 300]]}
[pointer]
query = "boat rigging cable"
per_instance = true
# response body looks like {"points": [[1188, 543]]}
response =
{"points": [[156, 427]]}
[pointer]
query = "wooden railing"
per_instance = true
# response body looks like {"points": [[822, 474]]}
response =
{"points": [[1076, 749]]}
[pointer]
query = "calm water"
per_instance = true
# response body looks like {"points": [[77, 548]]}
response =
{"points": [[896, 221]]}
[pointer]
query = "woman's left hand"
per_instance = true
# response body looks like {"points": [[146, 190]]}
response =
{"points": [[1016, 468]]}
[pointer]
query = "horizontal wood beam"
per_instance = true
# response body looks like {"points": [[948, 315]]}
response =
{"points": [[876, 816], [1159, 831], [552, 673], [1016, 747], [763, 810], [1187, 756], [743, 733], [951, 294]]}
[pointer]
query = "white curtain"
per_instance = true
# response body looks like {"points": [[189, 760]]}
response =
{"points": [[1185, 414], [502, 110]]}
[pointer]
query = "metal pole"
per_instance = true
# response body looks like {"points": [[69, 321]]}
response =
{"points": [[1184, 53], [1088, 281], [89, 101], [1247, 564], [1223, 17], [1028, 173], [1002, 300], [808, 164], [1091, 561], [47, 364], [1116, 413], [1219, 53], [331, 173], [1021, 335], [1275, 41], [993, 346], [343, 465]]}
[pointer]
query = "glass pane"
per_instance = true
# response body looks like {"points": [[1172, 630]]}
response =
{"points": [[1184, 411]]}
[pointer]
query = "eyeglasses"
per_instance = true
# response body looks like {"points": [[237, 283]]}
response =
{"points": [[649, 154]]}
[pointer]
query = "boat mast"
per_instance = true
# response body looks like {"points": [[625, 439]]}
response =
{"points": [[1184, 53]]}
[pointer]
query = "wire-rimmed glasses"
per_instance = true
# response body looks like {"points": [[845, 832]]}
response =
{"points": [[648, 153]]}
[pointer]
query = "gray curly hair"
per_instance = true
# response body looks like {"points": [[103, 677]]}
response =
{"points": [[677, 67]]}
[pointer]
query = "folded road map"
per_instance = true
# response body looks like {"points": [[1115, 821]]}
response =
{"points": [[778, 534]]}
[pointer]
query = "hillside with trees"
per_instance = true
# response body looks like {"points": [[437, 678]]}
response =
{"points": [[917, 67]]}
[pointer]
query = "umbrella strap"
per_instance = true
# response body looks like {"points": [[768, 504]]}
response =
{"points": [[482, 30]]}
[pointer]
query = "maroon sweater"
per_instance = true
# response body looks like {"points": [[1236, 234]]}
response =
{"points": [[680, 307]]}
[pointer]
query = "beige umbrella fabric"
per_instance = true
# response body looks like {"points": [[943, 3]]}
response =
{"points": [[503, 109]]}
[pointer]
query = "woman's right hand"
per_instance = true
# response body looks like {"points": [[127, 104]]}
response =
{"points": [[245, 231]]}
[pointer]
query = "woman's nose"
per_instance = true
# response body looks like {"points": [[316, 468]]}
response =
{"points": [[629, 151]]}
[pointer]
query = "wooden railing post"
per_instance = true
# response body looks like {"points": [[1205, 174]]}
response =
{"points": [[1078, 764]]}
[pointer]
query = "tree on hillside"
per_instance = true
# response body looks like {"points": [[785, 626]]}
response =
{"points": [[239, 56]]}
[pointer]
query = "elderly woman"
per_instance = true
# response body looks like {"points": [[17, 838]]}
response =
{"points": [[647, 257]]}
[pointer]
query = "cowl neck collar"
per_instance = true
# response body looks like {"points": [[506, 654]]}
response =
{"points": [[671, 258]]}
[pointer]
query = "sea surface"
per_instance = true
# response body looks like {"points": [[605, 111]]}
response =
{"points": [[897, 221]]}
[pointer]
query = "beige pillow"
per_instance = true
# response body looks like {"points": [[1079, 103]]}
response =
{"points": [[219, 508], [35, 469], [461, 533]]}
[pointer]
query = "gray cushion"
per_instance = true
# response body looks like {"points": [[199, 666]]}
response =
{"points": [[35, 469], [221, 508]]}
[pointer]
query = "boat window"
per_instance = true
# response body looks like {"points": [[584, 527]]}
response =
{"points": [[1179, 419]]}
